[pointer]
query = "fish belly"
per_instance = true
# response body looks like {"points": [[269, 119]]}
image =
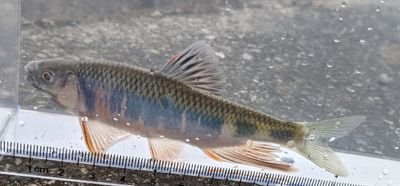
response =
{"points": [[154, 118]]}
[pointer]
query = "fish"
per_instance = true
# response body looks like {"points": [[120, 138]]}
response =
{"points": [[179, 104]]}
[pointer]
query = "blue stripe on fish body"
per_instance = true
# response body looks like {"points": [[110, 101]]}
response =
{"points": [[115, 102], [211, 122], [149, 112], [133, 107], [87, 89], [153, 112], [163, 112]]}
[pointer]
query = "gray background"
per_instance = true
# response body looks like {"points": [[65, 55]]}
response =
{"points": [[296, 60], [9, 40]]}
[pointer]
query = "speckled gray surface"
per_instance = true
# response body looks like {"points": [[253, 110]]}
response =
{"points": [[297, 61]]}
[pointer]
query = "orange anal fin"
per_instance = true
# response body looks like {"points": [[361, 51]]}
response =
{"points": [[252, 153], [99, 136], [165, 149]]}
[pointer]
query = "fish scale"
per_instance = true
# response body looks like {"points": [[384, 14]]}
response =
{"points": [[181, 104], [196, 102]]}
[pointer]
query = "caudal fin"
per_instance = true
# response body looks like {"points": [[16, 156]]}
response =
{"points": [[315, 147]]}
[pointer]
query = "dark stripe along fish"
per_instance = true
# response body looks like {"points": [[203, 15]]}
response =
{"points": [[181, 104]]}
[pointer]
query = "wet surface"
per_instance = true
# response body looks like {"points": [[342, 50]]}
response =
{"points": [[299, 62]]}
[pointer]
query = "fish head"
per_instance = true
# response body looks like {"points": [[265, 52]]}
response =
{"points": [[54, 77]]}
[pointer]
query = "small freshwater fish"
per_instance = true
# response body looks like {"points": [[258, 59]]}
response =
{"points": [[178, 104]]}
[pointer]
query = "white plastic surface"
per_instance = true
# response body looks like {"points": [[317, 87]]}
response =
{"points": [[57, 130]]}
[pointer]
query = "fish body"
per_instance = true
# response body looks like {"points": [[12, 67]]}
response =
{"points": [[179, 104], [156, 105]]}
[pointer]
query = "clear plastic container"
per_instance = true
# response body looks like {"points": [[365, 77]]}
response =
{"points": [[305, 60]]}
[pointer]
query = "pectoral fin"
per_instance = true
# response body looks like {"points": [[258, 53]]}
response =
{"points": [[252, 153], [165, 149], [100, 136]]}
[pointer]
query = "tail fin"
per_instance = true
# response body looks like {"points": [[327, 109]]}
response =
{"points": [[315, 147]]}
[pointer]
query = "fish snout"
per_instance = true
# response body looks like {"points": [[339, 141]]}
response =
{"points": [[29, 69], [31, 66]]}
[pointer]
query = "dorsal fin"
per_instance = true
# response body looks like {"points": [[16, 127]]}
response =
{"points": [[195, 66]]}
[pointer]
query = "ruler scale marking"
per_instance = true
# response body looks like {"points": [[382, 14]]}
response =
{"points": [[47, 158]]}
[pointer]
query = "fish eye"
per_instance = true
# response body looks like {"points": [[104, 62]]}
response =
{"points": [[47, 76]]}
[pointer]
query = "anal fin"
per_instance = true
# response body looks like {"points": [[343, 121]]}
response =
{"points": [[99, 136], [252, 153], [165, 149]]}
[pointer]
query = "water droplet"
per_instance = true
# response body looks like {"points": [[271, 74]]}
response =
{"points": [[118, 114], [197, 139], [357, 72], [35, 107], [362, 41], [128, 124], [271, 66], [336, 40], [21, 123], [133, 146], [385, 171], [378, 152], [370, 28], [220, 55], [311, 138], [329, 65], [396, 148], [397, 131], [382, 1], [1, 81], [332, 139], [247, 56], [84, 118], [115, 119], [161, 136], [344, 4], [210, 37], [138, 136], [340, 18], [378, 9], [187, 140], [325, 156], [350, 89]]}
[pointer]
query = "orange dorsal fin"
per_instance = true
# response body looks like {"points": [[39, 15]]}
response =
{"points": [[252, 153], [195, 66]]}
